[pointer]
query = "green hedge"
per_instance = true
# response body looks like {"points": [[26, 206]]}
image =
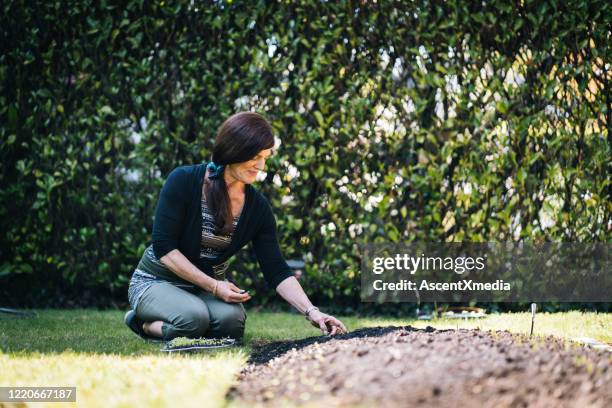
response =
{"points": [[428, 120]]}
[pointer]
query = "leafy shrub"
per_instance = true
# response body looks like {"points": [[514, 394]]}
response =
{"points": [[429, 120]]}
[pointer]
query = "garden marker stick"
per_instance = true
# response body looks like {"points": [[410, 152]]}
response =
{"points": [[533, 312]]}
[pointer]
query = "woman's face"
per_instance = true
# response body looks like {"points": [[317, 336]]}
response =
{"points": [[247, 171]]}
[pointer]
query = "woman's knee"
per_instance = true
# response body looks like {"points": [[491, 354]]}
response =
{"points": [[231, 322], [192, 323]]}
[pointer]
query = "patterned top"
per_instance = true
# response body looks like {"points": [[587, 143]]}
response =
{"points": [[212, 246]]}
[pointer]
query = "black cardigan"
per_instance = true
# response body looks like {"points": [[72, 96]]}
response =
{"points": [[178, 225]]}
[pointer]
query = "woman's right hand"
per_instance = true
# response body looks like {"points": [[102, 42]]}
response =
{"points": [[230, 293]]}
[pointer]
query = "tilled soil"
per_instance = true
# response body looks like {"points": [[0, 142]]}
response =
{"points": [[404, 366]]}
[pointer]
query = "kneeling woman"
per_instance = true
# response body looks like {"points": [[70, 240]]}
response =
{"points": [[204, 215]]}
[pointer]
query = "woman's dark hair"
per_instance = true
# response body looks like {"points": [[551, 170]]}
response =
{"points": [[240, 138]]}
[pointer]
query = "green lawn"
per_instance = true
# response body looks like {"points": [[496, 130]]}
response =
{"points": [[95, 352]]}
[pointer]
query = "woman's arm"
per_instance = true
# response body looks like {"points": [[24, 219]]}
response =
{"points": [[181, 266], [291, 290], [170, 212], [279, 276], [267, 250]]}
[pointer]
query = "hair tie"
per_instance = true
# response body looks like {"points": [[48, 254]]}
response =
{"points": [[216, 170]]}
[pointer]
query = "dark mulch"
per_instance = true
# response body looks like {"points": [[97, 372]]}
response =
{"points": [[404, 366]]}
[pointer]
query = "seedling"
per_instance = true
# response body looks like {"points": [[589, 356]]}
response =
{"points": [[186, 344]]}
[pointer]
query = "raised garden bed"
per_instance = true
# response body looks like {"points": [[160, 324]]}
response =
{"points": [[404, 366]]}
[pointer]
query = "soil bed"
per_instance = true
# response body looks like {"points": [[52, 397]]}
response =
{"points": [[403, 366]]}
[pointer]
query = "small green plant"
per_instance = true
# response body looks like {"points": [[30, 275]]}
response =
{"points": [[201, 341]]}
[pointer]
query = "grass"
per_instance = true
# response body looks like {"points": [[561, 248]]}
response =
{"points": [[111, 367]]}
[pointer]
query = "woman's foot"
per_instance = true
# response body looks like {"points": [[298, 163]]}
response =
{"points": [[153, 329], [136, 325]]}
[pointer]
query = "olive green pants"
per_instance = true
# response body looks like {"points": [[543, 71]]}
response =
{"points": [[190, 313]]}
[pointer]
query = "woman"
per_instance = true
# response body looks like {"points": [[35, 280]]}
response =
{"points": [[205, 214]]}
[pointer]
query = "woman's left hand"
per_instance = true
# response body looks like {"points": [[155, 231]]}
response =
{"points": [[328, 324]]}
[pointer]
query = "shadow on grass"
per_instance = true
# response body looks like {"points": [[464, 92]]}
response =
{"points": [[83, 331]]}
